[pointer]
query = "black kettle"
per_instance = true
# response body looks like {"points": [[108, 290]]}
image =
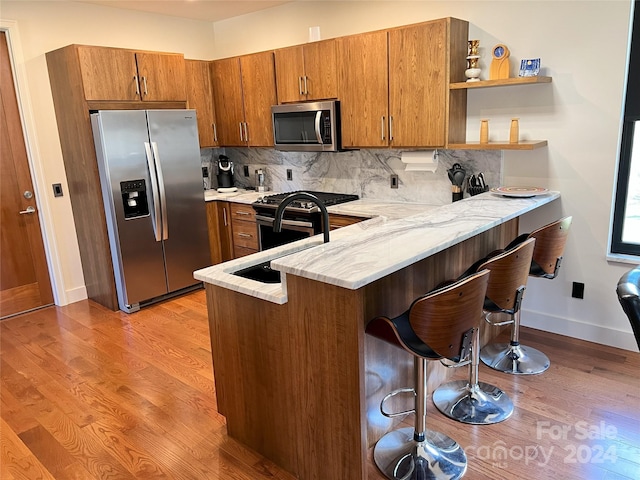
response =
{"points": [[225, 172]]}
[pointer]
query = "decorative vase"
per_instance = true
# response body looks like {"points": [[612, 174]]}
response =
{"points": [[514, 131], [484, 131], [473, 69]]}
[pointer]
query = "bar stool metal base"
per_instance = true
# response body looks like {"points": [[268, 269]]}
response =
{"points": [[483, 404], [515, 359], [400, 457]]}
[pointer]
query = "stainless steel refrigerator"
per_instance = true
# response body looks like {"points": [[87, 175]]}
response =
{"points": [[151, 178]]}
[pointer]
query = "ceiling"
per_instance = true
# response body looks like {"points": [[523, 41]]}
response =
{"points": [[207, 10]]}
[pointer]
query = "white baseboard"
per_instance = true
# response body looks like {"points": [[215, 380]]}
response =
{"points": [[74, 295], [576, 329]]}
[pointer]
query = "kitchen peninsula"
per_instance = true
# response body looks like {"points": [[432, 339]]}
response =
{"points": [[296, 377]]}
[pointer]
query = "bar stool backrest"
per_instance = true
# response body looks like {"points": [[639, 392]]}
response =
{"points": [[443, 319], [628, 291], [550, 242], [509, 273]]}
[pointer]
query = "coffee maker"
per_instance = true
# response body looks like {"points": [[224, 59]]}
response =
{"points": [[225, 175]]}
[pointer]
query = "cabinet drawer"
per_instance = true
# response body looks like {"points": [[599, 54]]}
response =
{"points": [[243, 212], [242, 251], [338, 221], [245, 234]]}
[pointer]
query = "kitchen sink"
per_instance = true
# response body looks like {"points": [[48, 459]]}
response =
{"points": [[260, 272]]}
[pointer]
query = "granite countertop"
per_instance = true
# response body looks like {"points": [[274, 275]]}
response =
{"points": [[367, 251]]}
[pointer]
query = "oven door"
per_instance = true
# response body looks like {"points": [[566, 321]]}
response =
{"points": [[292, 230]]}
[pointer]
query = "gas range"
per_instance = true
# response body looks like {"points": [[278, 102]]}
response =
{"points": [[271, 202]]}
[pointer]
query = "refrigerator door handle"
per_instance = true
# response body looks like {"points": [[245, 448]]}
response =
{"points": [[155, 214], [163, 196]]}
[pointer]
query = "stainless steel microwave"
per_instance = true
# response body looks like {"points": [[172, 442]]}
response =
{"points": [[307, 127]]}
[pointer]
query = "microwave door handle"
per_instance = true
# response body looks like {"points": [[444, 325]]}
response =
{"points": [[155, 213], [318, 118]]}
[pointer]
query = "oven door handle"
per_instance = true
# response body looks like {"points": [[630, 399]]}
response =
{"points": [[291, 223]]}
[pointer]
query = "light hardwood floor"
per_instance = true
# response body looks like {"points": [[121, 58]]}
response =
{"points": [[87, 393]]}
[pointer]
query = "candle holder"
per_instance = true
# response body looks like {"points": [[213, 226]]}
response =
{"points": [[473, 69]]}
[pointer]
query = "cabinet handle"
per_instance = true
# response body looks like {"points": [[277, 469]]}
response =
{"points": [[306, 88], [246, 133], [240, 212], [300, 85], [224, 216], [390, 128], [245, 235], [241, 138], [135, 78], [382, 127], [215, 133], [144, 80]]}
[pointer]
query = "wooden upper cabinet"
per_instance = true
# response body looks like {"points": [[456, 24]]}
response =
{"points": [[162, 77], [200, 98], [244, 90], [227, 96], [363, 89], [423, 60], [307, 72], [418, 85], [259, 93], [403, 99], [112, 74]]}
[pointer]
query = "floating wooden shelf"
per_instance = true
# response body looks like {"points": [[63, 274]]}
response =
{"points": [[499, 83], [522, 145]]}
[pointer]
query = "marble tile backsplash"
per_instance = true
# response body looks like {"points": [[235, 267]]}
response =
{"points": [[362, 172]]}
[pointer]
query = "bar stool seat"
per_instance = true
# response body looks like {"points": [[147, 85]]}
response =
{"points": [[628, 291], [513, 357], [438, 325], [472, 401]]}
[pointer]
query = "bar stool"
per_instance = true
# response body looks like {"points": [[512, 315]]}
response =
{"points": [[547, 257], [471, 401], [438, 325], [628, 290]]}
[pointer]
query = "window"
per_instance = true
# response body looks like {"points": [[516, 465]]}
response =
{"points": [[626, 217]]}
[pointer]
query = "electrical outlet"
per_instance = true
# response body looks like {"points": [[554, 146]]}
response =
{"points": [[394, 181], [289, 174], [246, 170], [577, 291]]}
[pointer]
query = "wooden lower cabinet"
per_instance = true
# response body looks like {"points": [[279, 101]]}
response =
{"points": [[220, 238], [245, 230], [339, 221]]}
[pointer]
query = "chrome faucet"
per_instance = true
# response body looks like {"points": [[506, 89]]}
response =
{"points": [[277, 222]]}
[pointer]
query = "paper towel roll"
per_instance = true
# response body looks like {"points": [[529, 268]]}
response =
{"points": [[424, 160]]}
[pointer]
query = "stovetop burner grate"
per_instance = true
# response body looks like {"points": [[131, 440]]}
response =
{"points": [[327, 198]]}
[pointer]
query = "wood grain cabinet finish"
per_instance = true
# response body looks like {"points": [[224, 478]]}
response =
{"points": [[339, 221], [220, 234], [112, 74], [394, 85], [245, 230], [307, 72], [245, 89], [200, 98]]}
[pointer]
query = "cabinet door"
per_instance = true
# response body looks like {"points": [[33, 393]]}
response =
{"points": [[227, 95], [418, 85], [162, 77], [259, 92], [320, 70], [220, 239], [363, 88], [289, 72], [108, 73], [200, 97]]}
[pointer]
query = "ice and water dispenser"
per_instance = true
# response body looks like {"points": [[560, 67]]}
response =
{"points": [[134, 198]]}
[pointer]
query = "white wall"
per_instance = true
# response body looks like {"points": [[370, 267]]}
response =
{"points": [[46, 26], [582, 45]]}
